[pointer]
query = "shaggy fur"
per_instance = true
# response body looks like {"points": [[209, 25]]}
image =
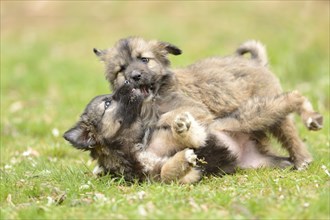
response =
{"points": [[213, 87], [107, 128]]}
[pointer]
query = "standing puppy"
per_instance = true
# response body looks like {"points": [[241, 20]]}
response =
{"points": [[220, 85]]}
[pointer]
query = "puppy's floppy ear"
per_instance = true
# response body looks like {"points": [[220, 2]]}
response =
{"points": [[170, 48], [79, 136], [99, 53]]}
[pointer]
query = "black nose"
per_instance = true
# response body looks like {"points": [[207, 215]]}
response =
{"points": [[136, 75]]}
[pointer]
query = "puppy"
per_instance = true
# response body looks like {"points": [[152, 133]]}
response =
{"points": [[111, 129], [242, 129], [215, 85]]}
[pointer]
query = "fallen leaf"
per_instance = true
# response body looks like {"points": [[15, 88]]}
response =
{"points": [[30, 152], [100, 197], [59, 200], [141, 195], [50, 201], [142, 211], [9, 201], [8, 167], [85, 186], [325, 170]]}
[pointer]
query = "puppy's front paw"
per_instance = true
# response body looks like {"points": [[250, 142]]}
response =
{"points": [[302, 164], [182, 123], [191, 157]]}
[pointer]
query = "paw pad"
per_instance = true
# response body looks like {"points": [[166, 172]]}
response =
{"points": [[314, 122], [182, 123]]}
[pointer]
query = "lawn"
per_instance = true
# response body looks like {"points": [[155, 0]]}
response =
{"points": [[49, 73]]}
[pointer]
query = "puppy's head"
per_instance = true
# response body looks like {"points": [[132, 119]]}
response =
{"points": [[136, 60], [105, 118]]}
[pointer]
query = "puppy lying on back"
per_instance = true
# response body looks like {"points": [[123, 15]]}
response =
{"points": [[112, 129]]}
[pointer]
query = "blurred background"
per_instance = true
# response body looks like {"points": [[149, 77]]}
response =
{"points": [[49, 72]]}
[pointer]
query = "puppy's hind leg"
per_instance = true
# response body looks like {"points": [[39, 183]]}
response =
{"points": [[287, 135], [180, 168], [286, 132], [312, 120], [261, 113]]}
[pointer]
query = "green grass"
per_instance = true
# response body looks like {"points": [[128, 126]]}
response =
{"points": [[49, 73]]}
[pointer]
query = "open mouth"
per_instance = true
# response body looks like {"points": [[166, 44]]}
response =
{"points": [[145, 90]]}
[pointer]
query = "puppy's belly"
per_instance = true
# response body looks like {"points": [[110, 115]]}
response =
{"points": [[244, 149]]}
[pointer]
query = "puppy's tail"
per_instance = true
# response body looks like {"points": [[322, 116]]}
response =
{"points": [[256, 49]]}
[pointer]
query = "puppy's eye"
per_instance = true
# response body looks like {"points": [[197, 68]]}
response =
{"points": [[107, 104], [144, 60]]}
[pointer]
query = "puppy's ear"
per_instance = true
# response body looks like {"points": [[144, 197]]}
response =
{"points": [[170, 48], [79, 136], [99, 53]]}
